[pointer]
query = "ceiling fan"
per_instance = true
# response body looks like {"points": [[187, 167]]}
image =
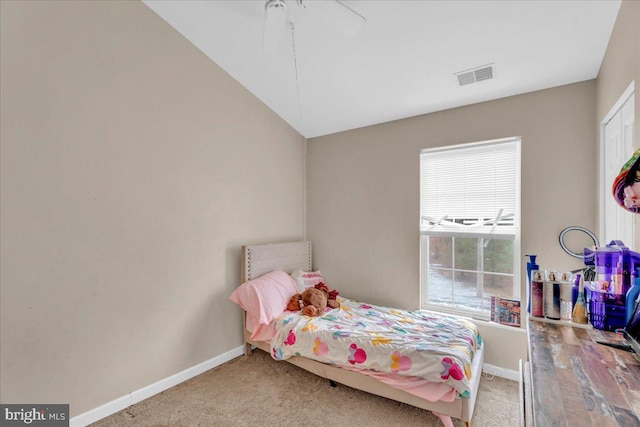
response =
{"points": [[333, 12]]}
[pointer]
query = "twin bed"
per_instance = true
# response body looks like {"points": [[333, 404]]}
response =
{"points": [[446, 379]]}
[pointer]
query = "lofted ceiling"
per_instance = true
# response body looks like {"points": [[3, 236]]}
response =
{"points": [[403, 60]]}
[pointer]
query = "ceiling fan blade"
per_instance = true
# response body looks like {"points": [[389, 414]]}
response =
{"points": [[337, 14], [275, 18]]}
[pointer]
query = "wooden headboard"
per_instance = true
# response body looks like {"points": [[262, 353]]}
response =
{"points": [[260, 259]]}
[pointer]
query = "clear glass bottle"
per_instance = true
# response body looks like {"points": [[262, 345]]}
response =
{"points": [[580, 309]]}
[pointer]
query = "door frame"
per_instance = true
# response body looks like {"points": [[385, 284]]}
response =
{"points": [[628, 92]]}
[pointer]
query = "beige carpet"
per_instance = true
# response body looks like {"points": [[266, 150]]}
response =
{"points": [[259, 391]]}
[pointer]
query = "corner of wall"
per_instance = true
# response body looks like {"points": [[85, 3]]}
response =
{"points": [[304, 190]]}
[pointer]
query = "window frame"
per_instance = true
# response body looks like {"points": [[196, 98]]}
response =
{"points": [[515, 237]]}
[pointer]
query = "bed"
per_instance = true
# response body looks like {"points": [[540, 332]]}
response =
{"points": [[286, 257]]}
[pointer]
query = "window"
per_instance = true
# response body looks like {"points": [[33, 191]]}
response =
{"points": [[470, 226]]}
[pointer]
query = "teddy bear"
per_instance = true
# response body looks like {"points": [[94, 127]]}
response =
{"points": [[313, 301], [332, 296]]}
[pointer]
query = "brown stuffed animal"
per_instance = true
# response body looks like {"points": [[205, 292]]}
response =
{"points": [[295, 303], [331, 295], [312, 302]]}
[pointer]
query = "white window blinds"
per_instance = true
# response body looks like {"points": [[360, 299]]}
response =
{"points": [[471, 189]]}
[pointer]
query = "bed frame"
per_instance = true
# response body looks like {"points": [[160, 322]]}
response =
{"points": [[260, 259]]}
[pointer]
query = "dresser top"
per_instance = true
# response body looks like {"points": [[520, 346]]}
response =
{"points": [[576, 381]]}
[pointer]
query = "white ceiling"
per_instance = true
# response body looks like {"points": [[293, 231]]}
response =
{"points": [[402, 61]]}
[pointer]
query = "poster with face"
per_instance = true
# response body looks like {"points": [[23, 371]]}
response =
{"points": [[626, 186]]}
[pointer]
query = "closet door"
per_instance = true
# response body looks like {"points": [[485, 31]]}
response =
{"points": [[618, 148]]}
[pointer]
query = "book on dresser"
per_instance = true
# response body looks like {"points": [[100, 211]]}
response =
{"points": [[505, 311]]}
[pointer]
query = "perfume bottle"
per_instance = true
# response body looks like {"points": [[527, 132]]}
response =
{"points": [[574, 289], [579, 308], [566, 305], [552, 296], [537, 293]]}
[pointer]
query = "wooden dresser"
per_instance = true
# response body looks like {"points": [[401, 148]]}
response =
{"points": [[570, 380]]}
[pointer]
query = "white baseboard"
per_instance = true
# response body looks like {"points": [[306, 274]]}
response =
{"points": [[144, 393], [501, 372]]}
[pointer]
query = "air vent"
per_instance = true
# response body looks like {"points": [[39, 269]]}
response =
{"points": [[486, 72]]}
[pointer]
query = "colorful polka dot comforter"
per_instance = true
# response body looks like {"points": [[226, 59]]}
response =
{"points": [[418, 343]]}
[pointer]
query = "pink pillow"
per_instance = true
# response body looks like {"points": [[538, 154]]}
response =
{"points": [[266, 297]]}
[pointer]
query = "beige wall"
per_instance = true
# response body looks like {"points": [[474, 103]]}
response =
{"points": [[621, 66], [363, 193], [132, 169]]}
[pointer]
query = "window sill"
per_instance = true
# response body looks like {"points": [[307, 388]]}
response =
{"points": [[522, 329], [484, 323], [466, 314]]}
